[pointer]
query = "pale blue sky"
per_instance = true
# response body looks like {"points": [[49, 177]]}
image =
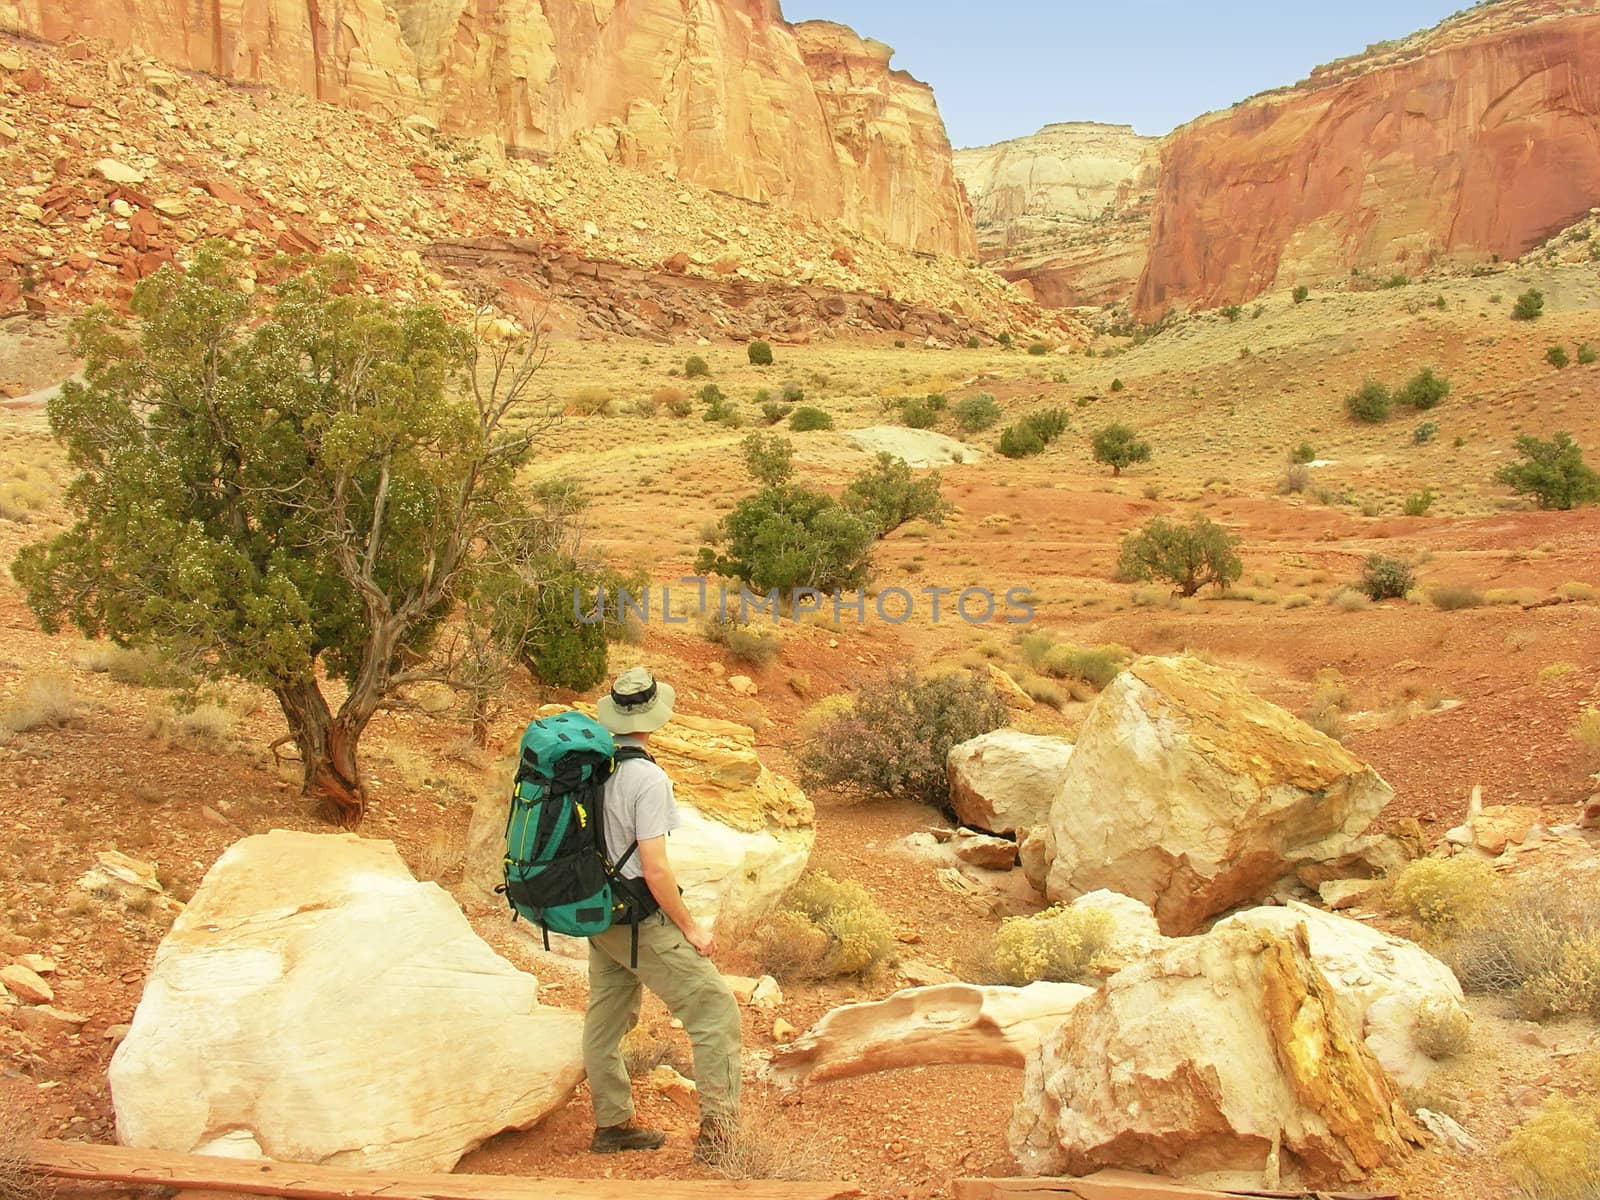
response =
{"points": [[1002, 68]]}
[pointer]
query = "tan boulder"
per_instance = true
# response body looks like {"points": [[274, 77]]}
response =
{"points": [[1219, 1053], [314, 1003], [1187, 791], [1005, 781], [953, 1023], [982, 851], [131, 881], [25, 984], [746, 834]]}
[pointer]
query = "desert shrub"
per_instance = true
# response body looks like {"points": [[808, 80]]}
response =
{"points": [[792, 393], [1232, 311], [899, 343], [1187, 556], [774, 412], [1349, 600], [1452, 597], [1587, 354], [1529, 306], [143, 667], [824, 928], [680, 405], [19, 1126], [1575, 591], [1555, 1154], [1295, 479], [1586, 730], [1118, 446], [893, 741], [592, 401], [1370, 403], [1438, 893], [887, 495], [1095, 665], [790, 537], [1425, 433], [1397, 280], [973, 343], [1301, 294], [204, 727], [1305, 452], [765, 1146], [1558, 357], [1033, 433], [744, 644], [806, 419], [976, 413], [1005, 338], [1418, 503], [1424, 390], [696, 367], [1443, 1029], [915, 414], [1038, 349], [1117, 385], [719, 409], [1060, 944], [1043, 690], [937, 402], [1385, 578], [43, 702], [769, 459], [760, 354], [1552, 472]]}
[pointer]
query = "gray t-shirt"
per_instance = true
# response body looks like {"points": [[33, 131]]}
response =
{"points": [[638, 806]]}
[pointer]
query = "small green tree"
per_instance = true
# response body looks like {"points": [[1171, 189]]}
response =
{"points": [[1552, 472], [1187, 556], [275, 485], [1118, 446], [1557, 357], [760, 354], [1424, 390], [769, 459], [1370, 403], [805, 419], [976, 413], [887, 495], [696, 367], [1385, 578], [915, 413], [790, 537], [1529, 306]]}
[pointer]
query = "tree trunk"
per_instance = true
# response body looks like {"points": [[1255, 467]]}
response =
{"points": [[327, 746]]}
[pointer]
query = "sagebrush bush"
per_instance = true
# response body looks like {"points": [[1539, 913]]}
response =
{"points": [[592, 401], [1529, 306], [1439, 893], [1424, 390], [1305, 452], [744, 644], [1558, 357], [976, 413], [19, 1126], [1555, 1154], [1418, 503], [204, 727], [806, 419], [892, 742], [1443, 1029], [1370, 403], [1452, 597], [760, 354], [1060, 944], [824, 928], [1033, 433], [1385, 578], [696, 368], [774, 412], [1586, 730], [1425, 433], [1038, 349], [43, 702]]}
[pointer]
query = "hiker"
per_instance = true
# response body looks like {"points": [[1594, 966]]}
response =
{"points": [[672, 954]]}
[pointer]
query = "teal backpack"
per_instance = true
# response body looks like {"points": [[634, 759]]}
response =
{"points": [[558, 872]]}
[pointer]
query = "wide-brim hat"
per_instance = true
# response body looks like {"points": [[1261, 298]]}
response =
{"points": [[638, 703]]}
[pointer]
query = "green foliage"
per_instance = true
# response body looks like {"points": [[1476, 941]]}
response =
{"points": [[1117, 385], [719, 409], [1552, 472], [1060, 944], [1529, 306], [976, 413], [1370, 403], [887, 495], [1187, 556], [894, 740], [1587, 354], [824, 928], [760, 354], [1033, 433], [1305, 452], [1558, 357], [1232, 311], [696, 367], [1038, 349], [774, 412], [1424, 390], [806, 418], [1385, 578], [792, 393], [1118, 446], [272, 484], [1425, 433], [973, 342], [1418, 503], [1301, 294], [915, 414], [1396, 280], [769, 459], [790, 537]]}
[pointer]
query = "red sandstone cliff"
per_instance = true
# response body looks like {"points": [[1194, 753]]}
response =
{"points": [[1476, 139], [724, 93]]}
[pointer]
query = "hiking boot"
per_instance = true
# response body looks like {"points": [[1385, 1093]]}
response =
{"points": [[616, 1138], [715, 1142]]}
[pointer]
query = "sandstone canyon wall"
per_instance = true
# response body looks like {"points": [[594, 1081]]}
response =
{"points": [[1067, 210], [722, 93], [1479, 138]]}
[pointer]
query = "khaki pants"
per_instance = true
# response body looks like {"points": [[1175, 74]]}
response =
{"points": [[694, 991]]}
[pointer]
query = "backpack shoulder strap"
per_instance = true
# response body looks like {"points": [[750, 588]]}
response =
{"points": [[631, 753]]}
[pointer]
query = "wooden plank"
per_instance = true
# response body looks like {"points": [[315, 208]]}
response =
{"points": [[123, 1164], [1129, 1185]]}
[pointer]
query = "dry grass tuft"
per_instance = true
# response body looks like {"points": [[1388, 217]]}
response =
{"points": [[1555, 1154], [204, 727], [43, 702], [1443, 893], [18, 1128], [1538, 944], [1444, 1029], [824, 928], [767, 1145], [1586, 730], [442, 857], [1059, 944]]}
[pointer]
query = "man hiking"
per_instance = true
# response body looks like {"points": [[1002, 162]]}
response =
{"points": [[673, 950]]}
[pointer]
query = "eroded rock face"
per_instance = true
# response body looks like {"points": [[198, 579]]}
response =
{"points": [[1190, 793], [723, 93], [314, 1003], [1198, 1061], [1066, 210], [1472, 140], [746, 835], [1005, 781]]}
